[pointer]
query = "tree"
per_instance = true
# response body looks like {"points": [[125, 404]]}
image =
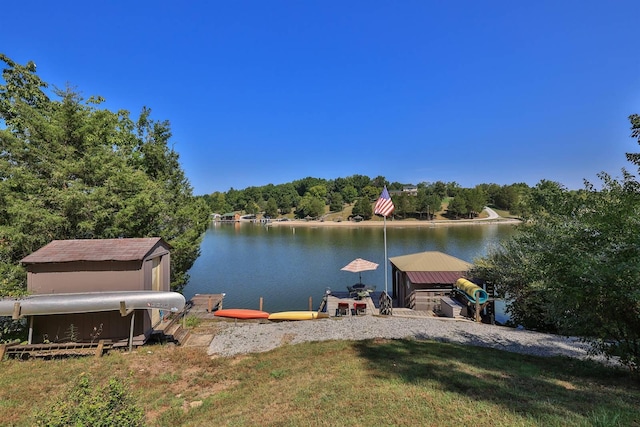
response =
{"points": [[427, 202], [452, 189], [252, 207], [404, 205], [69, 169], [422, 204], [271, 209], [302, 186], [574, 268], [287, 198], [349, 193], [379, 181], [363, 208], [506, 197], [440, 188], [336, 203], [218, 203], [319, 191], [476, 200], [310, 206], [547, 198], [359, 182], [370, 192], [458, 206], [635, 133]]}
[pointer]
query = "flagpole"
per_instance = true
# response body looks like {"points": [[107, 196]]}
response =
{"points": [[384, 206], [385, 255]]}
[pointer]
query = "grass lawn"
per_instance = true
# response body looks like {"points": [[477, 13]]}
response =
{"points": [[366, 383]]}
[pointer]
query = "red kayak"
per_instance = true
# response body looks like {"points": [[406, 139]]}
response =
{"points": [[241, 313]]}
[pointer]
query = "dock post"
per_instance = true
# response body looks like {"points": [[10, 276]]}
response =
{"points": [[210, 304], [310, 303], [261, 300]]}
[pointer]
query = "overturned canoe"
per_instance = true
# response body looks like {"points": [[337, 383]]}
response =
{"points": [[241, 313], [297, 315], [91, 302]]}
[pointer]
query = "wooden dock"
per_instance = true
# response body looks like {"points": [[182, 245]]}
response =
{"points": [[332, 305], [333, 300], [203, 306]]}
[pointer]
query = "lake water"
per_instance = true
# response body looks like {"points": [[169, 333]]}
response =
{"points": [[285, 265]]}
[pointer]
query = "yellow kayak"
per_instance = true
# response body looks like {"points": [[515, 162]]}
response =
{"points": [[472, 291], [297, 315]]}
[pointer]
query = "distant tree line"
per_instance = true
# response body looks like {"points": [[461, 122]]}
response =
{"points": [[310, 197], [72, 170]]}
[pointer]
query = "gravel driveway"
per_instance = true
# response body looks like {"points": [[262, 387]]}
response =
{"points": [[242, 338]]}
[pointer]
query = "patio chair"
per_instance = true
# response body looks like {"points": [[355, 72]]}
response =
{"points": [[343, 309], [359, 308]]}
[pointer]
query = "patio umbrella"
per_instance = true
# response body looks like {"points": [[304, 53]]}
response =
{"points": [[359, 265]]}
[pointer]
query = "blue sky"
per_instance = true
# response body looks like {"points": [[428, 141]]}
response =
{"points": [[267, 92]]}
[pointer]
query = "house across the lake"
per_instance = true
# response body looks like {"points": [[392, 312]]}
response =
{"points": [[230, 217], [97, 265]]}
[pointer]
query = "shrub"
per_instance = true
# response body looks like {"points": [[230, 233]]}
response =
{"points": [[86, 404]]}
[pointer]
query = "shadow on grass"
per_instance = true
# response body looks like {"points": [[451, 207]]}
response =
{"points": [[540, 387]]}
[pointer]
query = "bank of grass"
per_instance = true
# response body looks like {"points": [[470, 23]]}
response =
{"points": [[374, 382]]}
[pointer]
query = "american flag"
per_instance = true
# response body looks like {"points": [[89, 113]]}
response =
{"points": [[384, 205]]}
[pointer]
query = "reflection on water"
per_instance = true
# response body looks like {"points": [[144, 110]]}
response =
{"points": [[286, 265]]}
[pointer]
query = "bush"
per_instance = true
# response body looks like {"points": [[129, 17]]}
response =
{"points": [[86, 404], [11, 330]]}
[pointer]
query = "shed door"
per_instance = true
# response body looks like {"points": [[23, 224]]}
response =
{"points": [[156, 285]]}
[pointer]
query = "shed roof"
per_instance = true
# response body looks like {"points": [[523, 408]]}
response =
{"points": [[134, 249], [429, 261]]}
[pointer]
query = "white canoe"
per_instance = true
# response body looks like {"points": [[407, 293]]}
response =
{"points": [[92, 302]]}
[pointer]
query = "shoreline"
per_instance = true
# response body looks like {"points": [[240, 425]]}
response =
{"points": [[394, 223]]}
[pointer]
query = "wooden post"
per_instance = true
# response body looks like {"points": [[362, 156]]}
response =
{"points": [[3, 347], [477, 311], [99, 349], [310, 303], [261, 301], [210, 306], [123, 309], [16, 311]]}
